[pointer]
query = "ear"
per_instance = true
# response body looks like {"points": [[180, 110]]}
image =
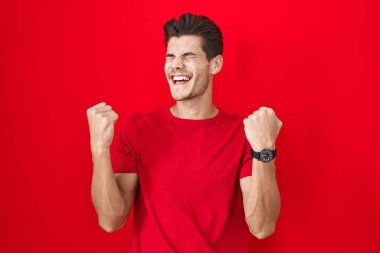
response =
{"points": [[216, 64]]}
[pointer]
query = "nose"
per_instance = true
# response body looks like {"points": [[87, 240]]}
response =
{"points": [[177, 63]]}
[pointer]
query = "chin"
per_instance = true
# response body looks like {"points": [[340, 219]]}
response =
{"points": [[179, 95], [180, 98]]}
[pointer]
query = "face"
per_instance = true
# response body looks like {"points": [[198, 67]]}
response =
{"points": [[187, 69]]}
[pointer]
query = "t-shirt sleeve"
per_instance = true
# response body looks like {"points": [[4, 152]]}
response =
{"points": [[124, 157], [245, 166]]}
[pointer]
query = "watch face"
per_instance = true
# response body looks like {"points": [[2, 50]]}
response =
{"points": [[266, 155]]}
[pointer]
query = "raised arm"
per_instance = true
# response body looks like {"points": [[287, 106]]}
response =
{"points": [[261, 197], [112, 193]]}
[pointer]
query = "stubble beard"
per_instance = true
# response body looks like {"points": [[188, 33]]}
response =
{"points": [[197, 90]]}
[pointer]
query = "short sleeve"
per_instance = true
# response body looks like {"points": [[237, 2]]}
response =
{"points": [[124, 156], [245, 166]]}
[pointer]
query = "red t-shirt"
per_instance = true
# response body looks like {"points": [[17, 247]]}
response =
{"points": [[189, 197]]}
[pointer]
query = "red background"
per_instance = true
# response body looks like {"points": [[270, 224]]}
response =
{"points": [[316, 64]]}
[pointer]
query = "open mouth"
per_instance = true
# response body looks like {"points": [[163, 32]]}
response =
{"points": [[180, 79]]}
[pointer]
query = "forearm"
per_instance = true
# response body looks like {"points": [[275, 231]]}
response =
{"points": [[106, 195], [263, 205]]}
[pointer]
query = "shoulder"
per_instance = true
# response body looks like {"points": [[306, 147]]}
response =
{"points": [[232, 117], [234, 122]]}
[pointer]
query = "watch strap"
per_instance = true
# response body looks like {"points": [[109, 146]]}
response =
{"points": [[256, 155]]}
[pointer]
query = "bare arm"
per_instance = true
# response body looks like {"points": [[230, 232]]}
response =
{"points": [[261, 199], [112, 193]]}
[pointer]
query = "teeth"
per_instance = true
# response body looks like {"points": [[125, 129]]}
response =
{"points": [[180, 78]]}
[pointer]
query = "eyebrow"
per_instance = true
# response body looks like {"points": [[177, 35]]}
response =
{"points": [[184, 54]]}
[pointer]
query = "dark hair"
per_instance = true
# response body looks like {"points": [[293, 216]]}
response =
{"points": [[190, 24]]}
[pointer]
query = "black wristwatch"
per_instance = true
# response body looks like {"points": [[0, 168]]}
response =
{"points": [[264, 155]]}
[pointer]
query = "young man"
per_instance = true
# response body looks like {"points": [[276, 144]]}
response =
{"points": [[187, 169]]}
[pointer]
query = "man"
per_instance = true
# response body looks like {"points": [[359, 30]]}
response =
{"points": [[188, 169]]}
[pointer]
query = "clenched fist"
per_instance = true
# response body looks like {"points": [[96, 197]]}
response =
{"points": [[101, 120], [262, 128]]}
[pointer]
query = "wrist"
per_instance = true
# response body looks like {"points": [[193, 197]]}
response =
{"points": [[266, 154], [99, 152], [98, 146], [259, 148]]}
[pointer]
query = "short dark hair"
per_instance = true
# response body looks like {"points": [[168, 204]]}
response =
{"points": [[190, 24]]}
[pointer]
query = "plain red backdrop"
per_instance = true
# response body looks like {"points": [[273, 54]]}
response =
{"points": [[315, 63]]}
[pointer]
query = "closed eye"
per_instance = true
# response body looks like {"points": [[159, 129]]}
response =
{"points": [[188, 54]]}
